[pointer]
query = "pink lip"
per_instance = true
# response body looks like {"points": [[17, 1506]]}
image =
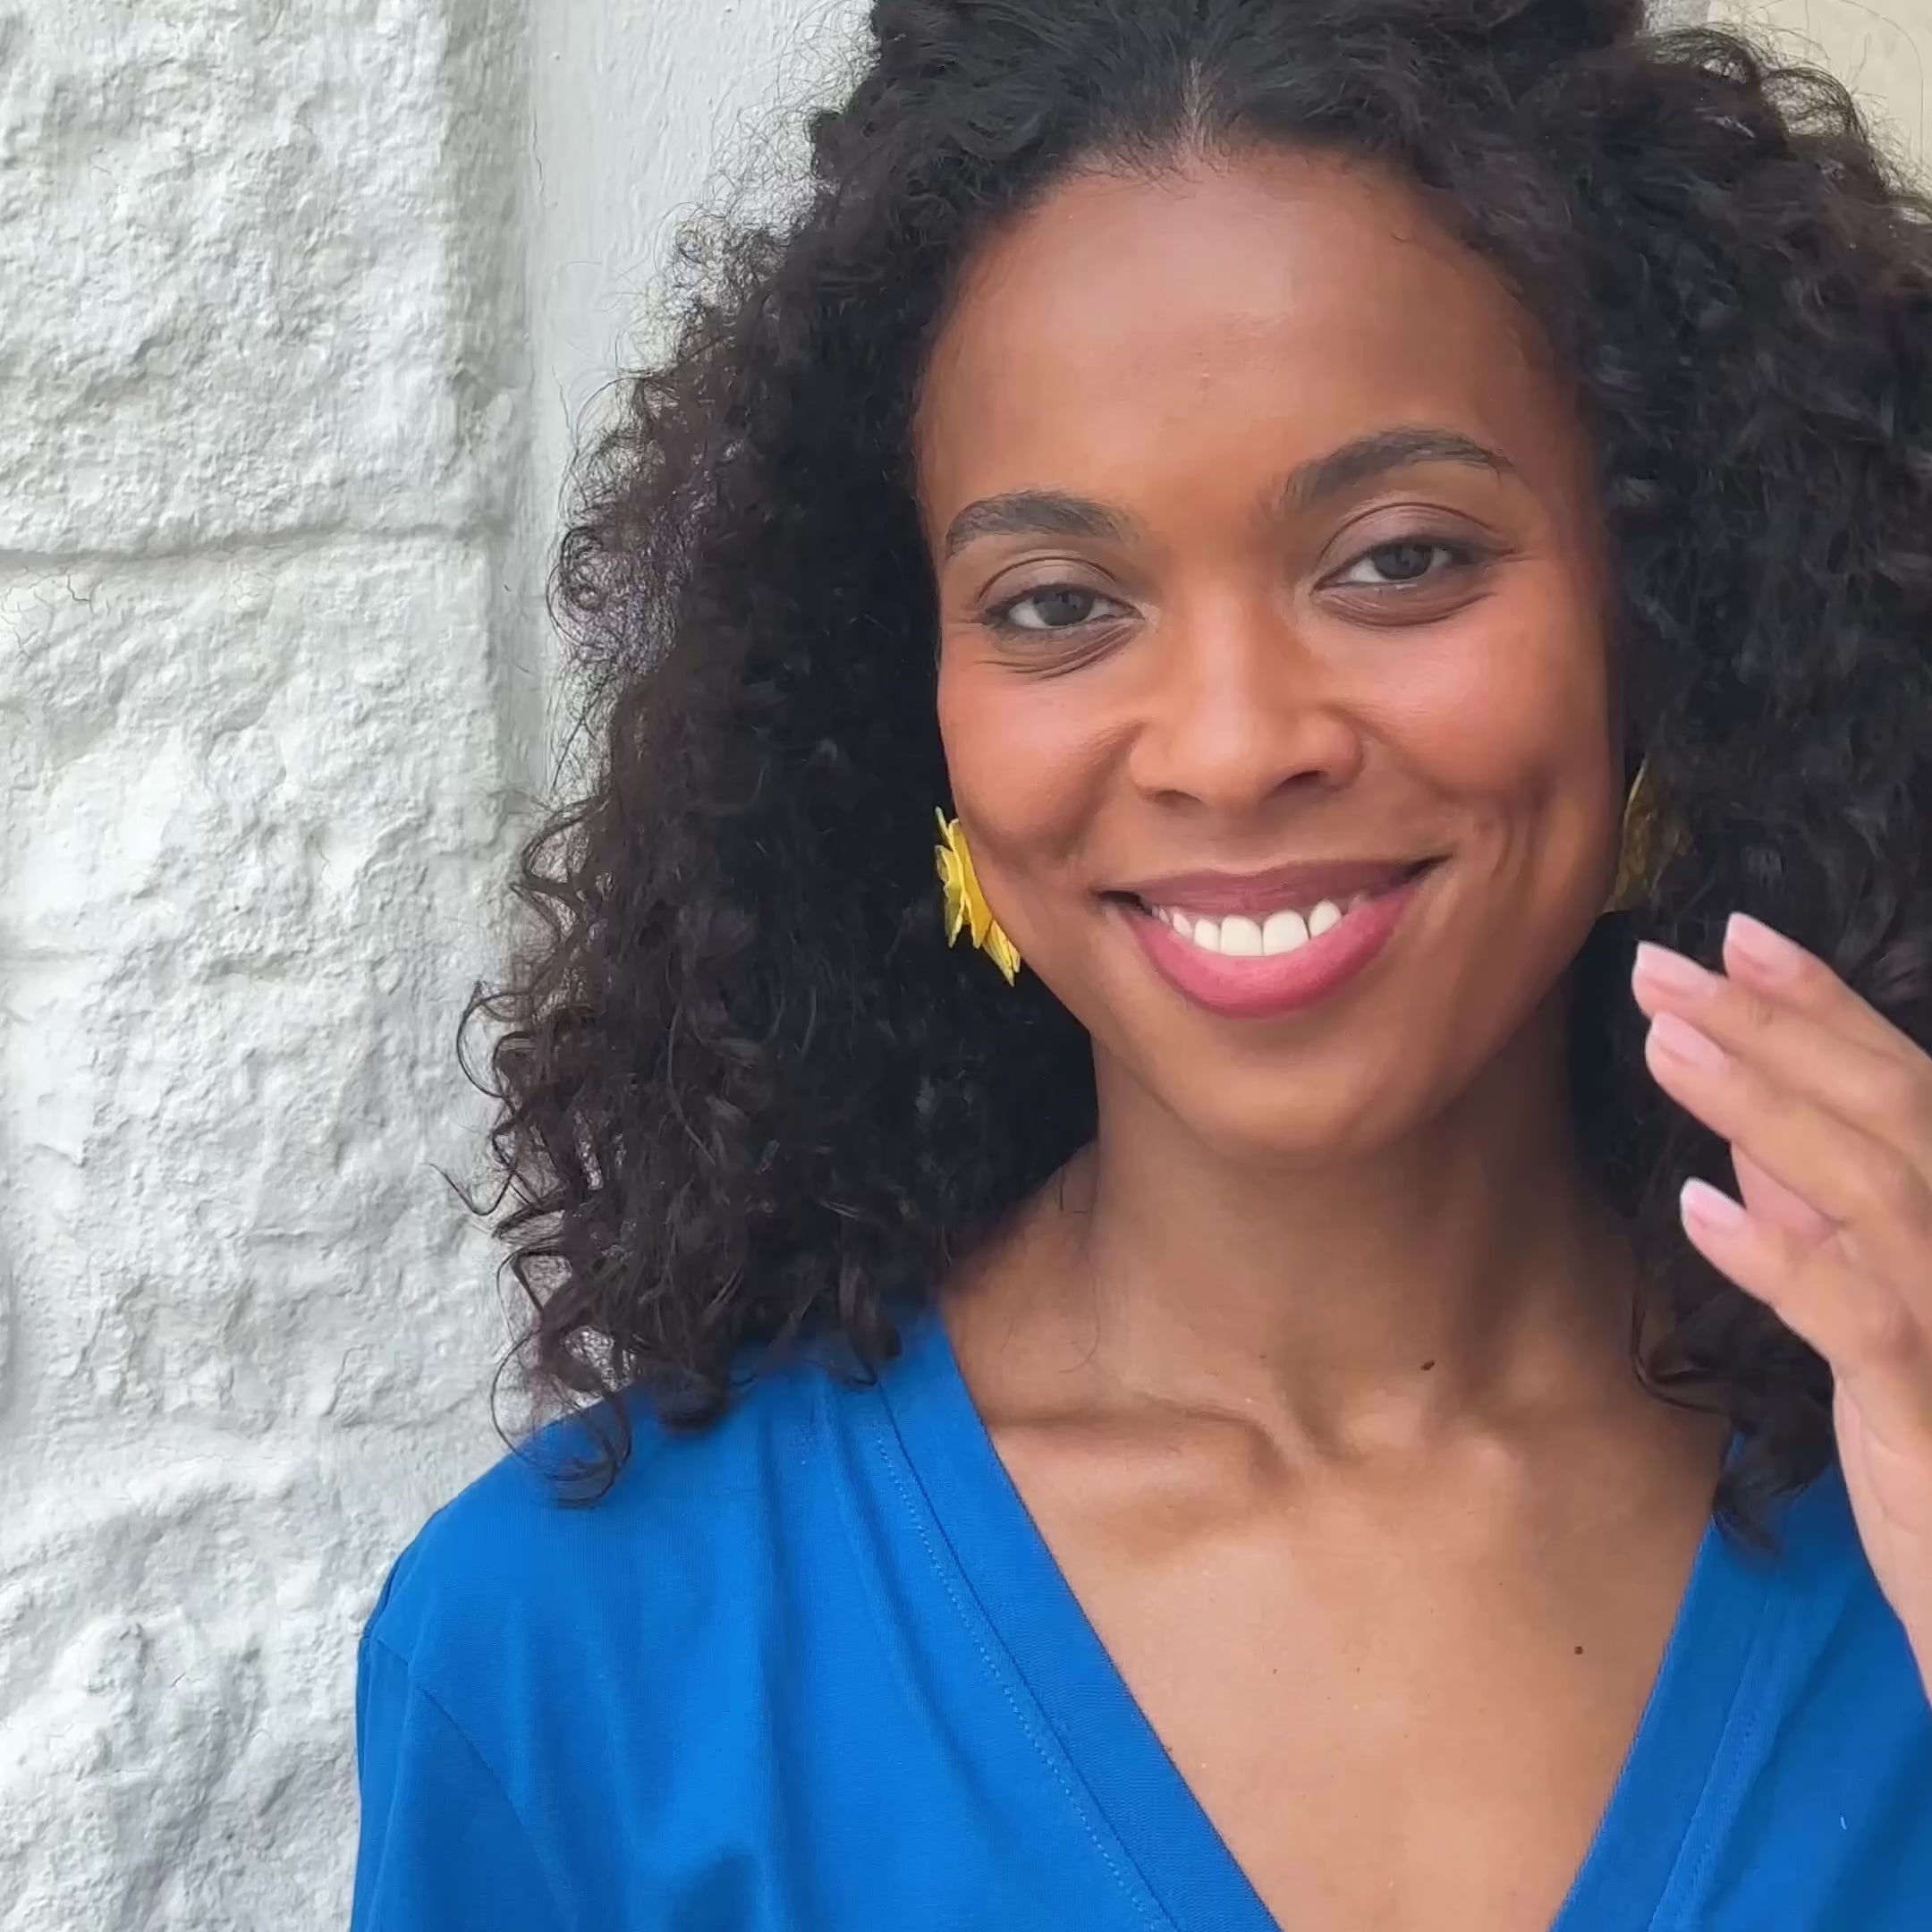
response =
{"points": [[1307, 884], [1260, 988]]}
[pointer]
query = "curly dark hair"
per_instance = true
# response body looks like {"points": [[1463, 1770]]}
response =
{"points": [[747, 1100]]}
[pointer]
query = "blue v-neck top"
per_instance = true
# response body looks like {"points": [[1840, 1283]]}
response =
{"points": [[815, 1671]]}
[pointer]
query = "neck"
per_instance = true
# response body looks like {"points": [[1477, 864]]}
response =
{"points": [[1457, 1276]]}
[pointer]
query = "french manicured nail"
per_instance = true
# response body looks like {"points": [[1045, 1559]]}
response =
{"points": [[1682, 1041], [1770, 952], [1672, 972], [1711, 1207]]}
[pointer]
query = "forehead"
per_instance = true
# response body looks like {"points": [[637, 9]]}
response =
{"points": [[1249, 313]]}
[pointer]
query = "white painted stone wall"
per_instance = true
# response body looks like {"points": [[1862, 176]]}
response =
{"points": [[301, 302], [263, 401]]}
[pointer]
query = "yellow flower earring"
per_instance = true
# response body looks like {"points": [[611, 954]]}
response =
{"points": [[1643, 846], [966, 909]]}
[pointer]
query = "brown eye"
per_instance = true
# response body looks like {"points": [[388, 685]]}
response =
{"points": [[1055, 608], [1405, 562]]}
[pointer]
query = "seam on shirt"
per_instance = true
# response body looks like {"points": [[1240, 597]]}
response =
{"points": [[564, 1918], [1691, 1870], [1138, 1893], [892, 1640]]}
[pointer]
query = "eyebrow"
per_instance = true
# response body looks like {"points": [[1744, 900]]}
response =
{"points": [[1035, 514], [1042, 513], [1383, 449]]}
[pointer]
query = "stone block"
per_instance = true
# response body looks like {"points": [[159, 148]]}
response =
{"points": [[260, 268], [264, 867]]}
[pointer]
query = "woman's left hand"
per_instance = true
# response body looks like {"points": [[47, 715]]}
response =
{"points": [[1828, 1110]]}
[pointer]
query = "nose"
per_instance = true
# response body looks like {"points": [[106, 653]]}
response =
{"points": [[1237, 712]]}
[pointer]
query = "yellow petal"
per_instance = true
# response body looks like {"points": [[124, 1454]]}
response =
{"points": [[947, 863], [979, 913], [1003, 952], [1644, 844], [966, 907]]}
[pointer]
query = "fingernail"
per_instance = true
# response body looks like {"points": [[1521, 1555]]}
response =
{"points": [[1711, 1206], [1672, 972], [1770, 952], [1682, 1041]]}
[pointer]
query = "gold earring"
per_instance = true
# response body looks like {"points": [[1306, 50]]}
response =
{"points": [[966, 909], [1641, 845]]}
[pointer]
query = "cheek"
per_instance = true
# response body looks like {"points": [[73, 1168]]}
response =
{"points": [[1025, 755], [1516, 715]]}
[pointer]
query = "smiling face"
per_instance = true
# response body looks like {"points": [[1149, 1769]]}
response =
{"points": [[1273, 676]]}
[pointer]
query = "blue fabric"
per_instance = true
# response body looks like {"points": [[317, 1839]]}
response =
{"points": [[813, 1671]]}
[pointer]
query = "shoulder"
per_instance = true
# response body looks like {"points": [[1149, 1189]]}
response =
{"points": [[1834, 1689], [522, 1572], [1813, 1801], [542, 1677], [1830, 1599]]}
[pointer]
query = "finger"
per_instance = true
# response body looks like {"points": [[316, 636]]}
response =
{"points": [[1878, 1199], [1775, 1205], [1781, 971], [1885, 1090], [1860, 1325]]}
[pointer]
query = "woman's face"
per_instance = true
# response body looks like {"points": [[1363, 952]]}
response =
{"points": [[1273, 676]]}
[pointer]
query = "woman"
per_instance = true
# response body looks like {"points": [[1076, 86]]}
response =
{"points": [[1207, 1408]]}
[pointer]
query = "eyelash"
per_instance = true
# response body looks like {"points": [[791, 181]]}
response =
{"points": [[1460, 553], [1000, 617]]}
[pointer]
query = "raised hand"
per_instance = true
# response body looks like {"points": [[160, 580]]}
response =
{"points": [[1828, 1111]]}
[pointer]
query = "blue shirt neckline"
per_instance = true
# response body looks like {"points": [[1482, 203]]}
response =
{"points": [[1721, 1626]]}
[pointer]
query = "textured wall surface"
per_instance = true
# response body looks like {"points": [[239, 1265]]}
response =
{"points": [[263, 396], [301, 300]]}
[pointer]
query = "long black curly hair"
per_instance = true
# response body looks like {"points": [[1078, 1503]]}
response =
{"points": [[747, 1098]]}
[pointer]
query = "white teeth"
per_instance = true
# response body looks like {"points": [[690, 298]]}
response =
{"points": [[1239, 936], [1284, 931]]}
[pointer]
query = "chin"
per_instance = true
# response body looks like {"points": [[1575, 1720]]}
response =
{"points": [[1281, 1111]]}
